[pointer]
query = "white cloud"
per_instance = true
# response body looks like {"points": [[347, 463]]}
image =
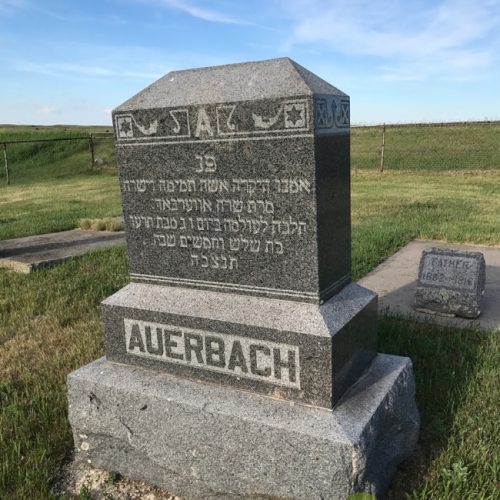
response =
{"points": [[198, 12], [47, 110], [447, 37], [62, 69]]}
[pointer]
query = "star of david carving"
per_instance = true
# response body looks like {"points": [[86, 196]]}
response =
{"points": [[295, 115], [125, 127]]}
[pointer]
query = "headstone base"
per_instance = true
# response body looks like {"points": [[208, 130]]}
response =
{"points": [[202, 441], [331, 345], [447, 302]]}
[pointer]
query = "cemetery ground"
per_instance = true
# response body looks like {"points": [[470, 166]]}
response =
{"points": [[52, 185], [50, 320]]}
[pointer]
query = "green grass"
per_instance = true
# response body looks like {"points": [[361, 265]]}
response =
{"points": [[31, 163], [53, 184], [50, 325], [458, 397], [57, 204], [393, 208], [436, 148]]}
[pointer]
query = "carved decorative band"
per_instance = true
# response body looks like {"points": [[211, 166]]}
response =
{"points": [[223, 286]]}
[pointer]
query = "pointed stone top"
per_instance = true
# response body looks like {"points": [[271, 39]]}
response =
{"points": [[270, 79]]}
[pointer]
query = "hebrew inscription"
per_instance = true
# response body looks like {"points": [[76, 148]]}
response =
{"points": [[182, 214], [233, 216]]}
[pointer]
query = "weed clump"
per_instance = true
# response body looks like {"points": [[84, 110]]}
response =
{"points": [[106, 224]]}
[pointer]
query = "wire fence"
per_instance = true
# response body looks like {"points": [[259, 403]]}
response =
{"points": [[48, 157], [414, 147], [427, 146]]}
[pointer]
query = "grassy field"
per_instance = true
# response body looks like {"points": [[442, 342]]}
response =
{"points": [[38, 171], [50, 325], [393, 208], [54, 184], [436, 148], [58, 204], [46, 160]]}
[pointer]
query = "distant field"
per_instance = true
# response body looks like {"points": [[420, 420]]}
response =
{"points": [[436, 148], [473, 146], [41, 161], [53, 184], [18, 132]]}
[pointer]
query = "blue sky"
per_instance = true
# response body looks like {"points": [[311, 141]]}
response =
{"points": [[399, 60]]}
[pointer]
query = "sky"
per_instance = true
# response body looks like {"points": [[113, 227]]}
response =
{"points": [[401, 61]]}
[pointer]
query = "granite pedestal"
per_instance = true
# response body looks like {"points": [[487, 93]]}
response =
{"points": [[207, 442]]}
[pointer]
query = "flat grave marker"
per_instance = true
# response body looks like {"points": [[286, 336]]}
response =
{"points": [[450, 282]]}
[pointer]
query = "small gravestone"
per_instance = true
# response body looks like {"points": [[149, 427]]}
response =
{"points": [[241, 359], [450, 282]]}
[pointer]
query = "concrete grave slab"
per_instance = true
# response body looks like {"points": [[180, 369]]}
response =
{"points": [[395, 281], [27, 254]]}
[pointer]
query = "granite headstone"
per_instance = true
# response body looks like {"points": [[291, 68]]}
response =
{"points": [[235, 185], [236, 180], [450, 282]]}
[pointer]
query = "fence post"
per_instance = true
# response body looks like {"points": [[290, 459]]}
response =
{"points": [[6, 163], [382, 150], [91, 147]]}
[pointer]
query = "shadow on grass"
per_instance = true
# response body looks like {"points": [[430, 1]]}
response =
{"points": [[444, 361]]}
